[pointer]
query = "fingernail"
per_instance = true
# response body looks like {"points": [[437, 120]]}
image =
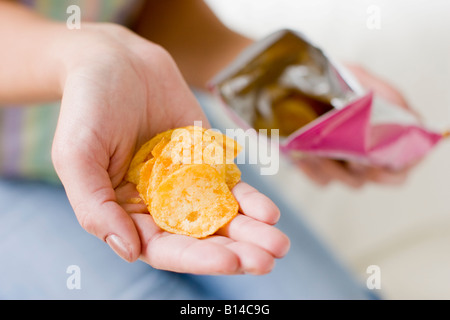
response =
{"points": [[119, 246]]}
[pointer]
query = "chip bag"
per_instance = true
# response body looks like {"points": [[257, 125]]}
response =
{"points": [[286, 83]]}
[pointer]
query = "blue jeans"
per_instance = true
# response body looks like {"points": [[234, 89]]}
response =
{"points": [[40, 239]]}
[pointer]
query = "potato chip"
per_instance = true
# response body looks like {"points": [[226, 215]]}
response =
{"points": [[134, 200], [162, 168], [159, 147], [185, 177], [144, 179], [293, 114], [232, 148], [144, 154], [214, 155], [133, 173], [194, 201], [232, 175], [176, 153]]}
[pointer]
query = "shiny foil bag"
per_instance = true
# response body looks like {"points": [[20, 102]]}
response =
{"points": [[285, 82]]}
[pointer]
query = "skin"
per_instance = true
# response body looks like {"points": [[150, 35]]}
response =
{"points": [[106, 137], [324, 171], [200, 52], [118, 90], [120, 87]]}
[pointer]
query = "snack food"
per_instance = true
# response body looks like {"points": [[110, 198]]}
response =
{"points": [[194, 201], [142, 156], [285, 82], [185, 177]]}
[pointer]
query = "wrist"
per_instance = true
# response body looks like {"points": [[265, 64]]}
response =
{"points": [[30, 67], [55, 57], [69, 51], [96, 46]]}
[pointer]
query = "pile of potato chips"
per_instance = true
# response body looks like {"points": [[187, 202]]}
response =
{"points": [[185, 177]]}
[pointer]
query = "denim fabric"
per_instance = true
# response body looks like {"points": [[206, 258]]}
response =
{"points": [[40, 239]]}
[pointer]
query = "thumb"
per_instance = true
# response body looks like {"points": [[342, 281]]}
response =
{"points": [[93, 199]]}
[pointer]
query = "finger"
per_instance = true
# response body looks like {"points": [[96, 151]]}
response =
{"points": [[338, 171], [378, 85], [93, 199], [252, 258], [358, 168], [312, 171], [125, 192], [180, 253], [255, 204], [129, 199], [134, 208], [387, 177], [269, 238]]}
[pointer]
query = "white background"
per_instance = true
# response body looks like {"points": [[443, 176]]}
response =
{"points": [[405, 230]]}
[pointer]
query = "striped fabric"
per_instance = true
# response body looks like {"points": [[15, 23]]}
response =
{"points": [[26, 132]]}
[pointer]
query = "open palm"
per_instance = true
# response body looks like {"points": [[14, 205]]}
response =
{"points": [[249, 243], [118, 93]]}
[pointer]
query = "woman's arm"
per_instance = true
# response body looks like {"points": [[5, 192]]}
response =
{"points": [[37, 51], [32, 57], [202, 45], [117, 90], [198, 41]]}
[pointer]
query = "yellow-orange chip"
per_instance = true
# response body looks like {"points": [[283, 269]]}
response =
{"points": [[185, 177], [133, 173], [134, 200], [231, 147], [162, 168], [214, 155], [159, 147], [167, 161], [194, 201], [144, 179], [232, 175], [144, 154]]}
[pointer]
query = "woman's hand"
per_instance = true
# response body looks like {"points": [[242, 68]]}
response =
{"points": [[248, 244], [323, 171], [119, 91]]}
